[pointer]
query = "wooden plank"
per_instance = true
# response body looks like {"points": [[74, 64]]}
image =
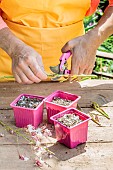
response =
{"points": [[46, 86], [105, 55], [95, 133], [98, 91], [102, 97], [102, 74], [95, 154], [88, 156], [97, 84]]}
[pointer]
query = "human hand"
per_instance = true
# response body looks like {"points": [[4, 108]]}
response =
{"points": [[27, 66], [83, 50]]}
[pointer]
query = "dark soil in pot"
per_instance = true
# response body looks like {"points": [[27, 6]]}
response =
{"points": [[28, 102], [69, 120], [60, 101]]}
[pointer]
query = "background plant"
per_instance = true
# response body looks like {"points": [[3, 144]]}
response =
{"points": [[102, 65]]}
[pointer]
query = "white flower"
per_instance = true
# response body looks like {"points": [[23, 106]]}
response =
{"points": [[37, 143], [30, 128], [1, 135], [47, 132]]}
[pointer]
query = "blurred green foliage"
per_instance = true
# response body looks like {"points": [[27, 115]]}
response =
{"points": [[90, 22]]}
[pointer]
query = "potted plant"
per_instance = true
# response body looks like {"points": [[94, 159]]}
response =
{"points": [[28, 109], [59, 101], [71, 127]]}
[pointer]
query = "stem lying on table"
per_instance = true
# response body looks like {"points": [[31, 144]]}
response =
{"points": [[94, 120], [97, 107], [91, 114], [9, 129]]}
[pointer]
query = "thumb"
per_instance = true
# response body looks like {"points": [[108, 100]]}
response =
{"points": [[69, 46], [66, 48]]}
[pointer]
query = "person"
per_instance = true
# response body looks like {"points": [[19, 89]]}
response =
{"points": [[32, 34]]}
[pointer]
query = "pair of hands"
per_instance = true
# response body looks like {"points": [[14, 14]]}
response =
{"points": [[27, 65]]}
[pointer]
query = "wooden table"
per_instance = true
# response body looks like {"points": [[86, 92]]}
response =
{"points": [[95, 154]]}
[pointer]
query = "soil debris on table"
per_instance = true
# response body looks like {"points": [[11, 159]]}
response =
{"points": [[60, 101], [69, 120], [28, 102]]}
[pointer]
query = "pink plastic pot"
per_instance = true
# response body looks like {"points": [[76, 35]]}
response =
{"points": [[71, 136], [25, 116], [53, 108]]}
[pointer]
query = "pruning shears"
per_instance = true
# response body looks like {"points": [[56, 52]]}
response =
{"points": [[62, 71], [62, 67]]}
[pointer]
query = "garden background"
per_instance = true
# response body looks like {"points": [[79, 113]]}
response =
{"points": [[102, 65]]}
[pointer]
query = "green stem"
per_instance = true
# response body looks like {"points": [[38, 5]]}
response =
{"points": [[8, 128], [97, 107], [6, 77]]}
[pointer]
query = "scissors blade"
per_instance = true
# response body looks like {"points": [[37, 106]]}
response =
{"points": [[55, 78], [55, 69]]}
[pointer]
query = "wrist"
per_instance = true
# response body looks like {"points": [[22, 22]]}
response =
{"points": [[103, 29], [94, 37], [8, 41]]}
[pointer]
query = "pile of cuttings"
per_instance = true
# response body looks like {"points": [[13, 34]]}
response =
{"points": [[40, 137], [60, 101], [28, 102], [69, 120]]}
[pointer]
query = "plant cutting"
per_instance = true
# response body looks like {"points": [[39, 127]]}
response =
{"points": [[28, 109], [95, 116], [35, 139], [57, 77], [71, 127], [59, 101], [69, 119], [28, 102], [97, 107]]}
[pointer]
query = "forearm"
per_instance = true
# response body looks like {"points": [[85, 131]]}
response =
{"points": [[8, 41], [104, 27]]}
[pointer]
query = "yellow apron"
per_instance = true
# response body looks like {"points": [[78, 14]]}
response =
{"points": [[45, 25]]}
